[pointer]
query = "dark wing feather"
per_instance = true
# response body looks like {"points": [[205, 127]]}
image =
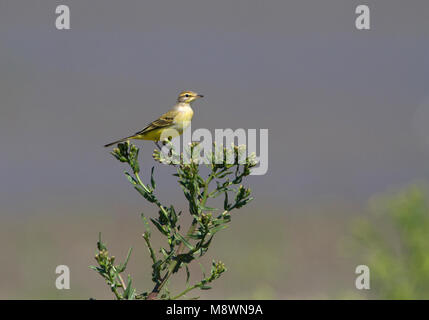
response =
{"points": [[165, 120]]}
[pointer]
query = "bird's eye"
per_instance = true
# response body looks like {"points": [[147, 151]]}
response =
{"points": [[186, 95]]}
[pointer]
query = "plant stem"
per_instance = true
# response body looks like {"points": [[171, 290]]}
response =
{"points": [[152, 253], [206, 188], [139, 180], [191, 230], [117, 294], [120, 279], [122, 282], [186, 291], [148, 191], [180, 248]]}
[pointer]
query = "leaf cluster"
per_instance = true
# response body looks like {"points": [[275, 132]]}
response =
{"points": [[227, 167], [112, 273]]}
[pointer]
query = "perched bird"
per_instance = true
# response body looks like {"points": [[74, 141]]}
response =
{"points": [[178, 119]]}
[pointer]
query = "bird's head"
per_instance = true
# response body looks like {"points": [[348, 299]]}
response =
{"points": [[188, 96]]}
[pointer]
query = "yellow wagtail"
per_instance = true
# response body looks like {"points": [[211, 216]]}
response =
{"points": [[177, 119]]}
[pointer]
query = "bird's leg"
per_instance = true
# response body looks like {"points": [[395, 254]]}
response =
{"points": [[170, 153], [157, 145]]}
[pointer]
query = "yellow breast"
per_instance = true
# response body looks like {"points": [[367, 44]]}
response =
{"points": [[183, 118]]}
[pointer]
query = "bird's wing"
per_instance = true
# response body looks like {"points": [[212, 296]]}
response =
{"points": [[166, 120]]}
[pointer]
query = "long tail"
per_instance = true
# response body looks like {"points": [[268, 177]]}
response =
{"points": [[115, 142]]}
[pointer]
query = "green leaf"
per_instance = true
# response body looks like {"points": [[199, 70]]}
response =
{"points": [[95, 268], [185, 257], [159, 227], [218, 228], [237, 180], [204, 287], [164, 253], [100, 244], [173, 216], [129, 292], [152, 180], [123, 266], [146, 224], [203, 270], [196, 235], [182, 258], [225, 217], [226, 202], [130, 178], [185, 242], [147, 195], [204, 208], [223, 175], [207, 243], [188, 275]]}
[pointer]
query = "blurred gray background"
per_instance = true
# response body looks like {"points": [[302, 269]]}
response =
{"points": [[347, 113]]}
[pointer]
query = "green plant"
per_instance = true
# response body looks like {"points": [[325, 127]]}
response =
{"points": [[393, 241], [227, 169]]}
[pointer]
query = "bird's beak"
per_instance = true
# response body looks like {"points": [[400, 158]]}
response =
{"points": [[200, 96]]}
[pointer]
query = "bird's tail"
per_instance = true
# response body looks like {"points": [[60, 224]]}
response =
{"points": [[118, 141]]}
